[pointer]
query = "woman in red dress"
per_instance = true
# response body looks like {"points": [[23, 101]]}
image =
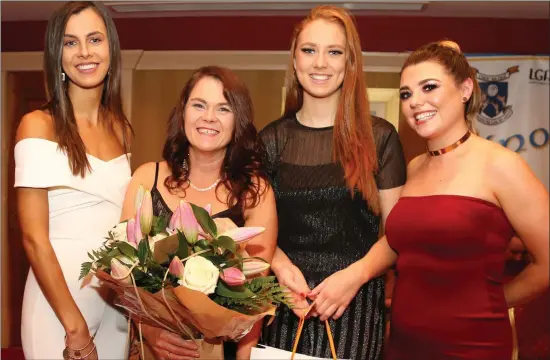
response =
{"points": [[463, 201]]}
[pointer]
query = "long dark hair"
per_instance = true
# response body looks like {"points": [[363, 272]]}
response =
{"points": [[242, 166], [353, 140], [59, 104]]}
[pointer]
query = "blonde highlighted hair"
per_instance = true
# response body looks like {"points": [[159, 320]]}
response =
{"points": [[448, 54]]}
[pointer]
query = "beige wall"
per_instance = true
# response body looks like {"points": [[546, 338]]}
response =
{"points": [[155, 93], [413, 145], [149, 93], [382, 80]]}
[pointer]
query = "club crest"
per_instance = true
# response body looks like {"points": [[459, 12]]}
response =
{"points": [[494, 97]]}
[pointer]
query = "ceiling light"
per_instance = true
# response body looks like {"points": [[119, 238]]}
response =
{"points": [[253, 5]]}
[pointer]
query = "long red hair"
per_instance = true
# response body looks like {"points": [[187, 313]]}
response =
{"points": [[353, 142]]}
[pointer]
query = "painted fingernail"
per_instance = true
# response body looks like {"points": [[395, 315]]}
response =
{"points": [[303, 294], [197, 355]]}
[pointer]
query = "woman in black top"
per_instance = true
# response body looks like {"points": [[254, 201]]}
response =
{"points": [[336, 173], [212, 156]]}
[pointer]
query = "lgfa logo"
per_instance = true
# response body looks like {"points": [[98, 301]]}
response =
{"points": [[539, 76], [494, 97]]}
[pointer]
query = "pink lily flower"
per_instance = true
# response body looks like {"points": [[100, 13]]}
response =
{"points": [[254, 267], [120, 272], [188, 222], [176, 267], [232, 276], [175, 221], [131, 232], [137, 232], [242, 234]]}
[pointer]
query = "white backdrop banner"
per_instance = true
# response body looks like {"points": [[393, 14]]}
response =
{"points": [[515, 106]]}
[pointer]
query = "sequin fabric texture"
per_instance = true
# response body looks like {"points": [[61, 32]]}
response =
{"points": [[324, 229]]}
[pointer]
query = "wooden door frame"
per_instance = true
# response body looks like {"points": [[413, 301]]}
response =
{"points": [[21, 62], [25, 92]]}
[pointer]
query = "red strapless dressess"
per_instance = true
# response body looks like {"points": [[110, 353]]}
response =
{"points": [[448, 300]]}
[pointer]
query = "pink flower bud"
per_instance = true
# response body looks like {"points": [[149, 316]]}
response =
{"points": [[175, 221], [243, 233], [137, 232], [120, 272], [232, 276], [208, 209], [146, 213], [254, 267], [188, 222], [176, 267], [131, 232]]}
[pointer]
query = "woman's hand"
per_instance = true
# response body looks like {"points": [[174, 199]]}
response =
{"points": [[334, 294], [83, 343], [245, 345], [169, 346], [291, 277]]}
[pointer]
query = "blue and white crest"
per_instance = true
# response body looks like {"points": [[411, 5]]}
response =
{"points": [[494, 97]]}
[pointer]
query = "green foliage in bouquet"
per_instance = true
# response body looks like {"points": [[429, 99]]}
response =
{"points": [[187, 250], [263, 290]]}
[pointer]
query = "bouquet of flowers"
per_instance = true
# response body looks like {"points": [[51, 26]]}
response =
{"points": [[189, 274]]}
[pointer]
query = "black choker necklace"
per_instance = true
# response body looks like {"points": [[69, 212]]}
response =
{"points": [[451, 147]]}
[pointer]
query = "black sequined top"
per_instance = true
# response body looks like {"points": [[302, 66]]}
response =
{"points": [[323, 229]]}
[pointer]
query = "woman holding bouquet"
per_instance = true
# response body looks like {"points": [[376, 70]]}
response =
{"points": [[212, 156], [71, 174], [336, 172]]}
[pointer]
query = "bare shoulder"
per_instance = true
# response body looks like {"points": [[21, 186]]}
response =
{"points": [[37, 124], [261, 183], [145, 174], [501, 162], [415, 164], [123, 131], [264, 193], [496, 155]]}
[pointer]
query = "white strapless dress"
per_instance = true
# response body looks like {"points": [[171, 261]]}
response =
{"points": [[81, 211]]}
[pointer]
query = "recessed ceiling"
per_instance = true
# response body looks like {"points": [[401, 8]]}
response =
{"points": [[41, 10]]}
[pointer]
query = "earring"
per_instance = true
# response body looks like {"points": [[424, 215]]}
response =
{"points": [[464, 99], [185, 166], [63, 76]]}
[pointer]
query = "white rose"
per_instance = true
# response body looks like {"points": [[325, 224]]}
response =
{"points": [[200, 274], [119, 232]]}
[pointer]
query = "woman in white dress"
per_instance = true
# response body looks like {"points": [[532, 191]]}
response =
{"points": [[67, 198]]}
